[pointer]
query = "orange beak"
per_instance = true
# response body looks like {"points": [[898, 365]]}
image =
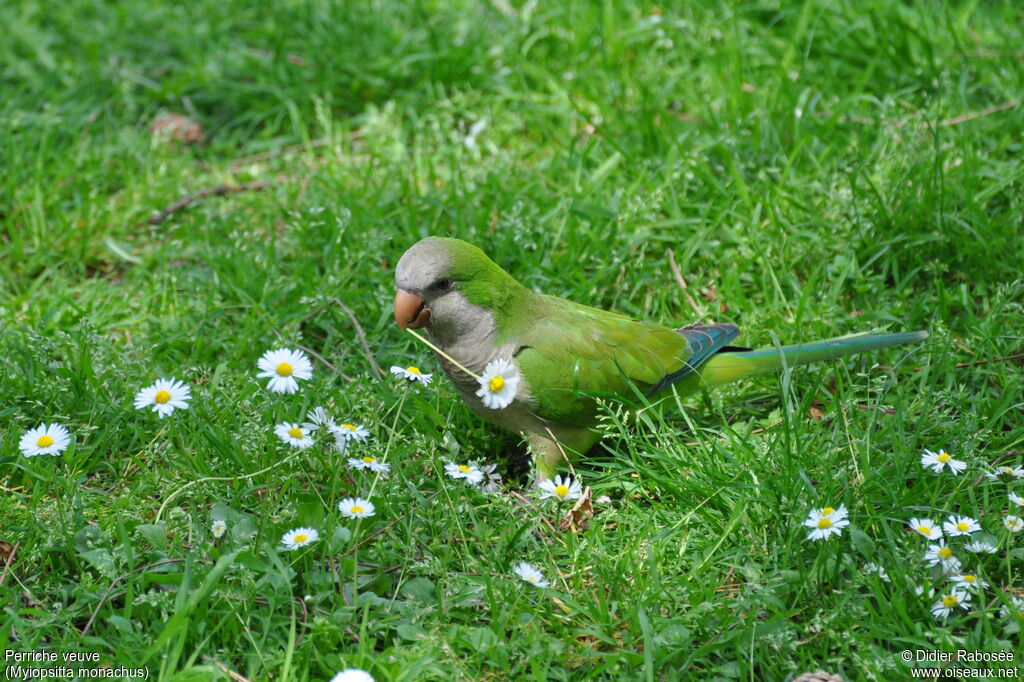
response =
{"points": [[410, 310]]}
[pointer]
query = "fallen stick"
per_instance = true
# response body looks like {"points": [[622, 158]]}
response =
{"points": [[964, 118], [962, 365], [7, 565], [188, 200], [682, 282], [115, 583], [362, 336], [227, 671]]}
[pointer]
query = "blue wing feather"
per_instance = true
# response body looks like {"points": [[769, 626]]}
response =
{"points": [[705, 340]]}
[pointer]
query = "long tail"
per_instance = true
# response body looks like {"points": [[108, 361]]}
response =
{"points": [[722, 368]]}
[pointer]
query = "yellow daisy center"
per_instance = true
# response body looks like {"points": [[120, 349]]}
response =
{"points": [[969, 578], [925, 530], [45, 441], [369, 460], [497, 383], [295, 432], [962, 526], [284, 369], [350, 427], [356, 509], [301, 537], [162, 396], [950, 600], [414, 370], [827, 510], [464, 469], [943, 457], [945, 552], [532, 578], [561, 490], [824, 523]]}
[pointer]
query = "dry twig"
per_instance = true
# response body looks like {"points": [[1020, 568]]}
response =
{"points": [[964, 118], [7, 564], [323, 360], [117, 580], [302, 146], [362, 336], [188, 200], [384, 529], [227, 671], [963, 365], [682, 282]]}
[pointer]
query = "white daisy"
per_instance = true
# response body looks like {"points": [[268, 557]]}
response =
{"points": [[498, 384], [941, 554], [1015, 609], [1017, 499], [926, 527], [45, 439], [469, 471], [826, 522], [1006, 474], [412, 374], [165, 396], [319, 419], [369, 462], [350, 432], [530, 574], [968, 581], [878, 570], [492, 479], [300, 537], [1014, 524], [949, 603], [561, 488], [960, 525], [832, 512], [356, 508], [980, 547], [293, 434], [353, 675], [218, 528], [941, 459], [284, 367]]}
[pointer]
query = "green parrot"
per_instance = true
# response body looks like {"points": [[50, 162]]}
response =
{"points": [[560, 356]]}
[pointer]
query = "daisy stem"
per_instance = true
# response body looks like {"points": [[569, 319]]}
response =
{"points": [[394, 426], [188, 485], [177, 441], [1008, 540], [443, 354], [355, 565]]}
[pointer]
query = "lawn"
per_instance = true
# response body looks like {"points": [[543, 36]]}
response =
{"points": [[804, 170]]}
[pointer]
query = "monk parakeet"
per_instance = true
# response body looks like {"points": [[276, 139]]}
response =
{"points": [[541, 362]]}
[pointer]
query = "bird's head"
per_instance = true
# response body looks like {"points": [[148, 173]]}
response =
{"points": [[451, 288]]}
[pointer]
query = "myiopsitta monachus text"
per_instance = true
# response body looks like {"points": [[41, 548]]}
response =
{"points": [[561, 356]]}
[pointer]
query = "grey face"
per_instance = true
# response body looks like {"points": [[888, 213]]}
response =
{"points": [[422, 271], [422, 268]]}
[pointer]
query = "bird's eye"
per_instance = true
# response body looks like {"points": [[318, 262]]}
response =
{"points": [[443, 284]]}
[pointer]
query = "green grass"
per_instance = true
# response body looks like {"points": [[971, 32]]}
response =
{"points": [[816, 168]]}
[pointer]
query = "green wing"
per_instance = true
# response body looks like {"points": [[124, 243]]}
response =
{"points": [[571, 354]]}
